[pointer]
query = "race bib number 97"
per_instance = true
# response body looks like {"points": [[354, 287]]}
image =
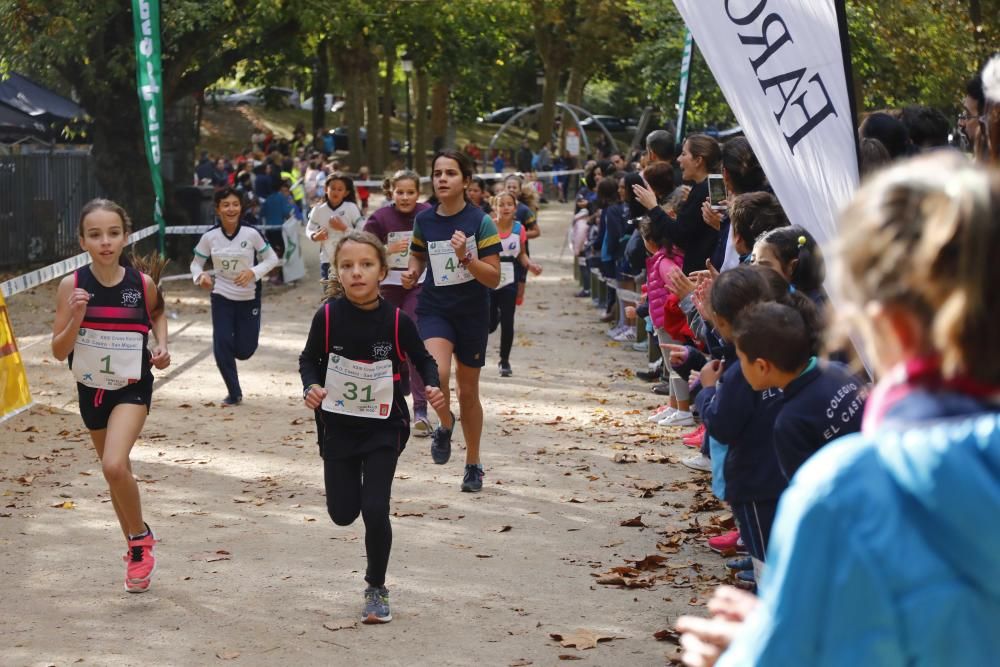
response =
{"points": [[229, 264], [358, 389]]}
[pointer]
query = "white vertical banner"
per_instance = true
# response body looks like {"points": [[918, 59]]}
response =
{"points": [[294, 267], [781, 65]]}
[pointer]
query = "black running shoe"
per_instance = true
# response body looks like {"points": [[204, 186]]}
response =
{"points": [[472, 482], [505, 371], [441, 443]]}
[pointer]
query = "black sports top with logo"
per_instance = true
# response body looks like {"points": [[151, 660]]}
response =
{"points": [[365, 336], [122, 307]]}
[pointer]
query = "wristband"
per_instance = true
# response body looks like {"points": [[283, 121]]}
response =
{"points": [[465, 261], [306, 391]]}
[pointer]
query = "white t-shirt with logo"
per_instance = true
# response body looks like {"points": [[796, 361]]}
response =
{"points": [[230, 256], [319, 218]]}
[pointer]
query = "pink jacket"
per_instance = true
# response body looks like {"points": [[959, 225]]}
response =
{"points": [[658, 267]]}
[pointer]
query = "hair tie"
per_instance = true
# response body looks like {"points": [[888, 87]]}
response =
{"points": [[802, 241]]}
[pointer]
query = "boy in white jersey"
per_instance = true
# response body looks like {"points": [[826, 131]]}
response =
{"points": [[233, 248]]}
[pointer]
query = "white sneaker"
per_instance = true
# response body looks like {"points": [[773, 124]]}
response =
{"points": [[662, 413], [701, 463], [626, 336], [678, 418], [615, 331]]}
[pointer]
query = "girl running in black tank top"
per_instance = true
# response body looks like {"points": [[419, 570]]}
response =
{"points": [[104, 313]]}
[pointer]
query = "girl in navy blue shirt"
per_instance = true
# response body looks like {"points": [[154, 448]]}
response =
{"points": [[459, 246]]}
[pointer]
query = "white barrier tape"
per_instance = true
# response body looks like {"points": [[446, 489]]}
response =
{"points": [[59, 269], [489, 177]]}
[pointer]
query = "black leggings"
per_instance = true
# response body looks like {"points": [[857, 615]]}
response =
{"points": [[361, 485], [503, 303]]}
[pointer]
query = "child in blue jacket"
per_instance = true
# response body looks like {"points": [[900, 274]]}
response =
{"points": [[885, 548]]}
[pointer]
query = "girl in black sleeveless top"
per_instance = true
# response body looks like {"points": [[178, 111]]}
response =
{"points": [[104, 313]]}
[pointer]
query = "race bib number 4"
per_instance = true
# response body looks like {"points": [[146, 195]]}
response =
{"points": [[107, 359], [399, 260], [358, 389], [228, 263], [444, 263]]}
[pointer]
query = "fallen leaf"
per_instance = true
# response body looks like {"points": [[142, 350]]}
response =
{"points": [[521, 662], [30, 429], [569, 656], [575, 499], [581, 638], [227, 655], [484, 556], [502, 529], [26, 479], [31, 458], [625, 457], [635, 522], [67, 505], [404, 513], [340, 624], [653, 562], [645, 485], [668, 635]]}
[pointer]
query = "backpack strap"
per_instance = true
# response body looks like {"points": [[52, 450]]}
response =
{"points": [[326, 310]]}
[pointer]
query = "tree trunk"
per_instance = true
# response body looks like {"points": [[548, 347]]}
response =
{"points": [[355, 114], [320, 82], [120, 160], [439, 114], [388, 104], [373, 149], [421, 82], [547, 117], [574, 95]]}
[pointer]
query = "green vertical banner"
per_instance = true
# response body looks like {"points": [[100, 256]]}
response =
{"points": [[685, 84], [149, 80]]}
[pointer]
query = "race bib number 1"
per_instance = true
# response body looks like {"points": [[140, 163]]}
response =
{"points": [[358, 389], [107, 359], [444, 263]]}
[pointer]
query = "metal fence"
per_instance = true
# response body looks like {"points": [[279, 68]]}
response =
{"points": [[40, 196]]}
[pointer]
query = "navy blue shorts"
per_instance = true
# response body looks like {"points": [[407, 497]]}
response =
{"points": [[96, 404], [467, 333]]}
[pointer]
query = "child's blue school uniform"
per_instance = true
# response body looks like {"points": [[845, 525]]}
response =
{"points": [[885, 548], [824, 403]]}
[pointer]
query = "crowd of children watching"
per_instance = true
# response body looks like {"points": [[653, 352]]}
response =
{"points": [[739, 337]]}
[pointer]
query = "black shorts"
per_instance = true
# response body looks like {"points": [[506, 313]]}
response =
{"points": [[469, 334], [96, 404]]}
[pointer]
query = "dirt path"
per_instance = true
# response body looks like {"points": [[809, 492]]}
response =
{"points": [[251, 569]]}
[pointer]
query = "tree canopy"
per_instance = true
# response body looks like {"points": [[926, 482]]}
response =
{"points": [[470, 57]]}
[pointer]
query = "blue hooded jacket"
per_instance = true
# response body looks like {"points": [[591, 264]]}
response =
{"points": [[886, 547]]}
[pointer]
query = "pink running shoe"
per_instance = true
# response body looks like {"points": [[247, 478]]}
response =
{"points": [[727, 543], [140, 562], [696, 437], [698, 431]]}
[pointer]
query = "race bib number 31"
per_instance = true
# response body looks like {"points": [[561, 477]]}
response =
{"points": [[358, 389], [107, 359], [444, 263]]}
